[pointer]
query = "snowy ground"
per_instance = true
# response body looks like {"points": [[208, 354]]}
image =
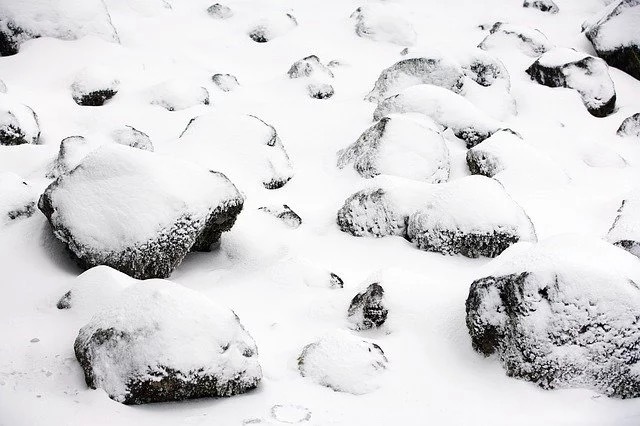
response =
{"points": [[433, 376]]}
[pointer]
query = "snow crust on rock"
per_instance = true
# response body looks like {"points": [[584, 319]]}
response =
{"points": [[94, 85], [17, 198], [271, 25], [344, 363], [630, 126], [177, 94], [529, 41], [130, 136], [225, 82], [18, 123], [157, 328], [625, 231], [384, 22], [615, 26]]}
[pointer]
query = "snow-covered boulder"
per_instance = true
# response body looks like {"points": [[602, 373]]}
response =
{"points": [[284, 213], [385, 22], [94, 289], [542, 5], [271, 26], [344, 363], [615, 35], [225, 82], [243, 147], [220, 11], [18, 124], [529, 41], [589, 76], [64, 19], [73, 150], [177, 94], [438, 71], [625, 231], [309, 66], [320, 90], [562, 313], [160, 341], [444, 107], [371, 212], [485, 69], [138, 212], [130, 136], [630, 126], [367, 309], [94, 86], [473, 216], [17, 198], [401, 145]]}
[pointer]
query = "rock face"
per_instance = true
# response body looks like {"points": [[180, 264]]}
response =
{"points": [[614, 35], [17, 198], [437, 71], [163, 342], [529, 41], [93, 87], [542, 5], [219, 11], [177, 94], [243, 147], [344, 363], [400, 145], [371, 212], [63, 19], [309, 66], [589, 76], [130, 136], [18, 124], [557, 318], [225, 82], [625, 231], [446, 108], [630, 126], [285, 214], [384, 22], [472, 216], [367, 309], [272, 26], [120, 207]]}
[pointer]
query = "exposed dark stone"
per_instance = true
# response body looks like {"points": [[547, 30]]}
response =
{"points": [[65, 301], [485, 70], [370, 213], [542, 5], [367, 309], [336, 281], [630, 126], [320, 90], [19, 127], [95, 98], [27, 211], [489, 244], [625, 231]]}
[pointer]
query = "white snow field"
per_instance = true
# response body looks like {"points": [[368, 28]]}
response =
{"points": [[290, 274]]}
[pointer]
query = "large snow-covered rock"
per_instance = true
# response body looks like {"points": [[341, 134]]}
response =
{"points": [[177, 94], [615, 35], [344, 363], [562, 313], [386, 22], [444, 107], [138, 212], [527, 40], [17, 198], [309, 66], [243, 147], [589, 76], [367, 309], [630, 126], [18, 124], [160, 341], [473, 216], [625, 231], [73, 150], [401, 145], [64, 19], [272, 25], [94, 86]]}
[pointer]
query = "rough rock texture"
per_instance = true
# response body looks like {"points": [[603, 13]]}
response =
{"points": [[130, 136], [589, 76], [367, 309], [285, 214], [472, 216], [220, 11], [529, 41], [371, 213], [438, 71], [615, 37], [344, 363], [225, 82], [384, 22], [164, 342], [18, 124], [17, 198], [120, 207], [625, 231], [630, 126], [399, 145], [542, 5], [557, 318], [309, 66], [271, 27], [93, 87], [486, 70], [320, 90], [177, 94]]}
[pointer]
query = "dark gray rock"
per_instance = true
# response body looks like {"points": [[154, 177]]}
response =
{"points": [[371, 213], [93, 98], [486, 70], [542, 5], [18, 125], [367, 309], [630, 126]]}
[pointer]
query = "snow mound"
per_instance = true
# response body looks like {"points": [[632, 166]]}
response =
{"points": [[384, 22], [130, 136], [589, 76], [371, 212], [73, 150], [177, 94], [138, 212], [542, 5], [401, 145], [367, 309], [344, 363], [530, 42], [3, 87], [17, 198], [163, 342], [473, 216], [296, 271], [272, 25], [284, 213], [94, 86], [18, 124], [445, 108], [615, 35], [320, 90], [630, 126], [559, 315], [225, 82], [243, 147], [309, 66], [95, 289], [625, 231], [220, 11], [485, 69], [438, 71], [64, 19]]}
